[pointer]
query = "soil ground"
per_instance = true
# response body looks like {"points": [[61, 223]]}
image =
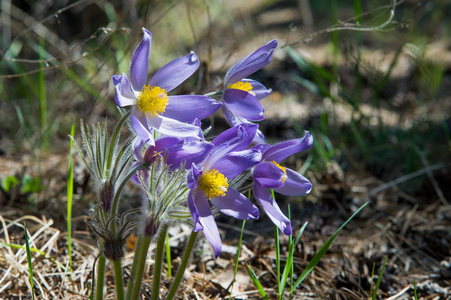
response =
{"points": [[407, 223]]}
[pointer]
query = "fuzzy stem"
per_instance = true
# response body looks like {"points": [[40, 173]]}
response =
{"points": [[119, 279], [100, 277], [158, 263], [131, 282], [140, 269], [182, 267]]}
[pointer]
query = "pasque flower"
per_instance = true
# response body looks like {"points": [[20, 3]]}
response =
{"points": [[241, 95], [153, 107], [268, 174], [175, 152], [210, 182]]}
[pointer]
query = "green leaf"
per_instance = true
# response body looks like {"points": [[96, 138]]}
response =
{"points": [[9, 182], [256, 282], [30, 266], [289, 262], [323, 251], [376, 288]]}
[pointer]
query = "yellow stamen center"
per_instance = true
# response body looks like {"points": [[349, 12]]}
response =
{"points": [[152, 101], [213, 184], [240, 85], [283, 169]]}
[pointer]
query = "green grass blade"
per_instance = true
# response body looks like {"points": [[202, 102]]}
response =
{"points": [[415, 289], [372, 279], [277, 249], [30, 266], [34, 250], [256, 282], [323, 250], [238, 252], [288, 270], [376, 288], [70, 192]]}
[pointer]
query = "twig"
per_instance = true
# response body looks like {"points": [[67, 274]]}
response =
{"points": [[431, 176], [399, 294], [405, 178]]}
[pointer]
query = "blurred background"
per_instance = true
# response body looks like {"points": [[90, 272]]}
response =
{"points": [[369, 79]]}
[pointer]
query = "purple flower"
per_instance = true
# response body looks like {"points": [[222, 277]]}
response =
{"points": [[268, 174], [174, 150], [210, 182], [153, 108], [241, 96]]}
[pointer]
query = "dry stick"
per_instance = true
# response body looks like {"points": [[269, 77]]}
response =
{"points": [[405, 178], [431, 176]]}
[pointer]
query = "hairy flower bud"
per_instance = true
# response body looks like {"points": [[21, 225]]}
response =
{"points": [[106, 196], [151, 225], [113, 249]]}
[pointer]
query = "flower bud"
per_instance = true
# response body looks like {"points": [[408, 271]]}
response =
{"points": [[113, 249], [151, 225], [106, 196]]}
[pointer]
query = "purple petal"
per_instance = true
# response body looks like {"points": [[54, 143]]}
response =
{"points": [[190, 153], [282, 150], [187, 108], [191, 177], [268, 175], [124, 95], [232, 164], [235, 120], [174, 73], [161, 145], [253, 62], [194, 212], [239, 136], [258, 89], [137, 149], [173, 127], [139, 124], [271, 208], [244, 104], [295, 185], [262, 147], [140, 62], [234, 204], [207, 221]]}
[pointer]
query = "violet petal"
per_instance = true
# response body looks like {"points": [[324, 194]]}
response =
{"points": [[272, 209], [282, 150], [295, 185], [234, 204], [244, 104], [174, 73], [187, 108], [140, 62]]}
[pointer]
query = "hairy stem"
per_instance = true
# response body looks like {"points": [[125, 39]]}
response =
{"points": [[183, 264], [100, 277], [158, 263], [134, 267], [140, 269], [119, 279]]}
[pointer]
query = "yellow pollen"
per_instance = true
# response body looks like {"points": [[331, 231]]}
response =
{"points": [[152, 101], [244, 86], [213, 184], [283, 169]]}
